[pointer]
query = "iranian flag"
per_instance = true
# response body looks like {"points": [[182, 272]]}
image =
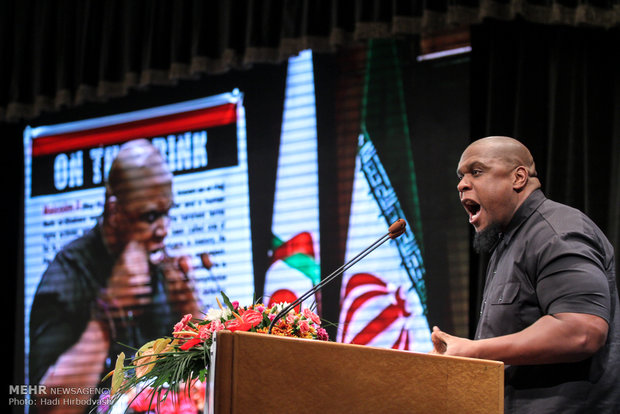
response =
{"points": [[380, 302], [383, 301]]}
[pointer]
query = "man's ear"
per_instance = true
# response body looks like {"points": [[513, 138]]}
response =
{"points": [[112, 215], [520, 178]]}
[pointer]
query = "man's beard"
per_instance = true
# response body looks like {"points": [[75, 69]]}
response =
{"points": [[485, 240]]}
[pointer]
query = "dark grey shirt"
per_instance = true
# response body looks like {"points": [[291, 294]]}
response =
{"points": [[553, 259]]}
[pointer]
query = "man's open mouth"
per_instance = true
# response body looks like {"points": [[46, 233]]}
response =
{"points": [[157, 256], [473, 209]]}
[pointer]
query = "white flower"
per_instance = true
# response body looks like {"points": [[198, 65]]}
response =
{"points": [[279, 307], [214, 314]]}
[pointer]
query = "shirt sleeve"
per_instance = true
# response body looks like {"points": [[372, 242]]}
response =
{"points": [[58, 317], [572, 276]]}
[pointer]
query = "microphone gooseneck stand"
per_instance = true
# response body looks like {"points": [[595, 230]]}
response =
{"points": [[396, 229]]}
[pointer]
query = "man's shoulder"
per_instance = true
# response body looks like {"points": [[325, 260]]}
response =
{"points": [[88, 243], [564, 219], [556, 223], [81, 259]]}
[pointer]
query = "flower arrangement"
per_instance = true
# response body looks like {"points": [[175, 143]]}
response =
{"points": [[176, 363], [189, 400]]}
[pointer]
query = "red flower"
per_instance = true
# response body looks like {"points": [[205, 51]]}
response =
{"points": [[142, 402], [246, 321], [254, 318], [191, 343], [237, 325]]}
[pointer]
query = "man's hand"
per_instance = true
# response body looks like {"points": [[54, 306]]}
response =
{"points": [[180, 287], [444, 344], [129, 284], [81, 367]]}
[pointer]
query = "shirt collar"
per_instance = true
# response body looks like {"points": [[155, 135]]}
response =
{"points": [[525, 210]]}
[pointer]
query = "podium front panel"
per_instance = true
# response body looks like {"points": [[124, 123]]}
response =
{"points": [[268, 374]]}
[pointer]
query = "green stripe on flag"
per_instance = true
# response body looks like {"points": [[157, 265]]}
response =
{"points": [[300, 261]]}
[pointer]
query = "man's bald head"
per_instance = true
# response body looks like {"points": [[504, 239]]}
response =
{"points": [[138, 164], [509, 150]]}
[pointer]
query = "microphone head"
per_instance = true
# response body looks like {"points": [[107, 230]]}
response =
{"points": [[397, 228], [206, 261], [184, 264]]}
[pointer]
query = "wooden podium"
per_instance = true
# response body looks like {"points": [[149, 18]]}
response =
{"points": [[257, 373]]}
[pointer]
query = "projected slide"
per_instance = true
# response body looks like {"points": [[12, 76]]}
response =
{"points": [[204, 145]]}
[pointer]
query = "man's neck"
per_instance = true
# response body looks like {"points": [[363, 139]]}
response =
{"points": [[110, 239]]}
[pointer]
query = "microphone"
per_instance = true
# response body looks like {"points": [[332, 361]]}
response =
{"points": [[208, 264], [206, 261], [396, 229]]}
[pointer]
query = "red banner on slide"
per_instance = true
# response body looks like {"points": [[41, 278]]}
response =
{"points": [[114, 134]]}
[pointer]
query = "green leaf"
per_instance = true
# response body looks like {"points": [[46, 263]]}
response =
{"points": [[227, 301], [144, 348], [118, 376], [160, 344]]}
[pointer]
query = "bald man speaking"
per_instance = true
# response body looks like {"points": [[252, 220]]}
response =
{"points": [[112, 288], [550, 308]]}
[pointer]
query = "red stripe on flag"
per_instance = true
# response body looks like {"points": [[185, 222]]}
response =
{"points": [[380, 323], [301, 243], [355, 305], [360, 279], [114, 134], [377, 325], [403, 340]]}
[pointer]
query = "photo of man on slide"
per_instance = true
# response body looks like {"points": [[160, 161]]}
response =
{"points": [[111, 288]]}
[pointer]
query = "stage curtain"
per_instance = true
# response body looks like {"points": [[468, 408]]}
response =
{"points": [[62, 53], [557, 89]]}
